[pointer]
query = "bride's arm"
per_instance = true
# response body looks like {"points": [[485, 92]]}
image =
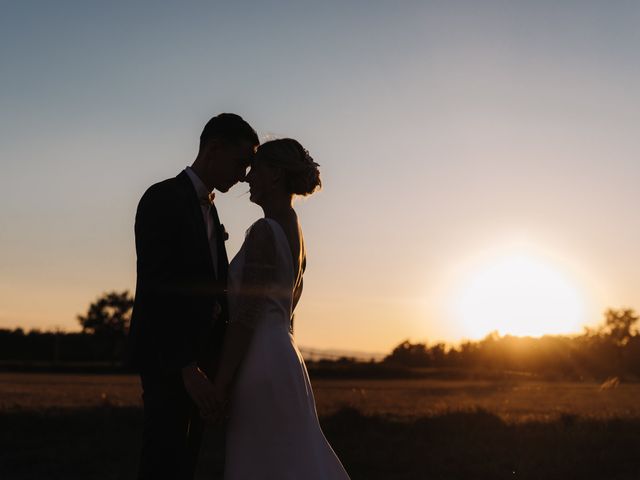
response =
{"points": [[298, 291], [257, 275]]}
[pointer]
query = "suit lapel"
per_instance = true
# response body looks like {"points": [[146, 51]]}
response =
{"points": [[195, 211]]}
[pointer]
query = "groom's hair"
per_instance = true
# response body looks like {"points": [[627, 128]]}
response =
{"points": [[228, 128]]}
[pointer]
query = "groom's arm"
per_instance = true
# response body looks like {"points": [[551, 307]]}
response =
{"points": [[158, 228]]}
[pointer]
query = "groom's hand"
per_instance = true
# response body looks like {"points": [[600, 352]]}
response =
{"points": [[200, 389]]}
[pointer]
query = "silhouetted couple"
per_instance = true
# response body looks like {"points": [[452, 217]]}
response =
{"points": [[213, 341]]}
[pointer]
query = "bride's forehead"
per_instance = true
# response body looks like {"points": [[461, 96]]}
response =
{"points": [[259, 161]]}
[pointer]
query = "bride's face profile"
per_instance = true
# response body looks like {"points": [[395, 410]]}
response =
{"points": [[262, 179]]}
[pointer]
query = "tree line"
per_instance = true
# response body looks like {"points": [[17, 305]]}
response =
{"points": [[102, 339], [611, 349]]}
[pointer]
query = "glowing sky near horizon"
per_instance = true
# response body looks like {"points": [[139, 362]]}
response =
{"points": [[444, 131]]}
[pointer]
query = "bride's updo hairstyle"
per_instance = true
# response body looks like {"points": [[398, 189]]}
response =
{"points": [[302, 176]]}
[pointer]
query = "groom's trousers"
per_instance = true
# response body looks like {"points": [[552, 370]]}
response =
{"points": [[172, 430]]}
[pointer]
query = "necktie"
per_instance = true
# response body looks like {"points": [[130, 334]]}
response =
{"points": [[223, 261]]}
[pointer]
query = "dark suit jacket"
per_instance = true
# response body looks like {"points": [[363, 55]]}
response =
{"points": [[180, 310]]}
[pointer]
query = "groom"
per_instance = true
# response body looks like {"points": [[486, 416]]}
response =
{"points": [[180, 309]]}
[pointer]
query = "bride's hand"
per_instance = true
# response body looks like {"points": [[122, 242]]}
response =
{"points": [[221, 391], [221, 398], [200, 389]]}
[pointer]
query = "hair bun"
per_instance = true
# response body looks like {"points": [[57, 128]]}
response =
{"points": [[301, 171], [307, 179]]}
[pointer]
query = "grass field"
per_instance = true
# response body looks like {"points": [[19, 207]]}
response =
{"points": [[84, 426], [512, 401]]}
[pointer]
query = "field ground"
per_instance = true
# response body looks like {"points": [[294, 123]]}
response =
{"points": [[512, 401], [88, 427]]}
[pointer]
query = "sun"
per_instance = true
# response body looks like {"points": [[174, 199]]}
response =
{"points": [[518, 294]]}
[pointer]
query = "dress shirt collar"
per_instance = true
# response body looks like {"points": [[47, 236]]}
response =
{"points": [[201, 189]]}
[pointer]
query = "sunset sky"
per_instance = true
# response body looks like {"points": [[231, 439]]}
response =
{"points": [[480, 160]]}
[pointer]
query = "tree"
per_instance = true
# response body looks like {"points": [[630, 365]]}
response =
{"points": [[409, 355], [619, 325], [109, 315]]}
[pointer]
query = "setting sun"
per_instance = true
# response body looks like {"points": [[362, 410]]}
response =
{"points": [[518, 294]]}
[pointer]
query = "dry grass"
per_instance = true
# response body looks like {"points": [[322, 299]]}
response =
{"points": [[513, 401], [89, 427]]}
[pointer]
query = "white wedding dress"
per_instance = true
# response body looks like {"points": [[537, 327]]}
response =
{"points": [[273, 431]]}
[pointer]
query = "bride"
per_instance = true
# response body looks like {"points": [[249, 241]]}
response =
{"points": [[273, 430]]}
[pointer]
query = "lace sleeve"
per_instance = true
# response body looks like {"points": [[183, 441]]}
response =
{"points": [[257, 274]]}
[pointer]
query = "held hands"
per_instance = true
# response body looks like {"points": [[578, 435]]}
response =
{"points": [[210, 400], [221, 389]]}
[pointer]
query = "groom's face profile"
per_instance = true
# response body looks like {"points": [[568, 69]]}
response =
{"points": [[227, 164]]}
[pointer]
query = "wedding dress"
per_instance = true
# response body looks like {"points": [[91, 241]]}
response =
{"points": [[273, 430]]}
